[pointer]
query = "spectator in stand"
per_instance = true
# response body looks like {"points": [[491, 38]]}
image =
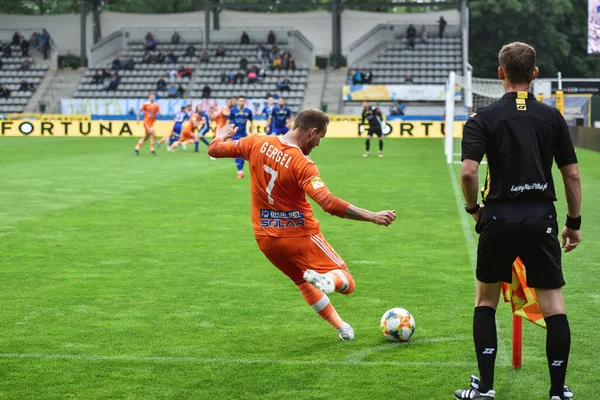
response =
{"points": [[25, 86], [245, 39], [161, 84], [260, 51], [262, 73], [24, 47], [274, 95], [184, 71], [285, 62], [411, 43], [45, 43], [398, 108], [292, 63], [231, 77], [34, 40], [224, 77], [423, 34], [190, 51], [244, 63], [271, 38], [220, 51], [175, 39], [6, 51], [4, 92], [97, 79], [114, 82], [26, 64], [180, 91], [411, 32], [284, 84], [252, 76], [276, 62], [116, 64], [206, 90], [204, 58], [171, 58], [129, 64], [172, 74], [358, 77], [147, 59], [442, 25], [105, 74], [408, 79], [16, 39], [150, 43], [160, 57], [368, 79], [239, 77], [172, 90]]}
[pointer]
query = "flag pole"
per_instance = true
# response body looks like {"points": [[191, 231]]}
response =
{"points": [[517, 342]]}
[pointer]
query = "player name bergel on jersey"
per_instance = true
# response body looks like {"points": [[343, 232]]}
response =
{"points": [[275, 154]]}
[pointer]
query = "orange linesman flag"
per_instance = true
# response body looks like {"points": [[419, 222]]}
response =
{"points": [[522, 297]]}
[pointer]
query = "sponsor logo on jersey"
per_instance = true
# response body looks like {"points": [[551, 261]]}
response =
{"points": [[281, 219], [317, 182]]}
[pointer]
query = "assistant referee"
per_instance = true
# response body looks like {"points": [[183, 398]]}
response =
{"points": [[521, 138]]}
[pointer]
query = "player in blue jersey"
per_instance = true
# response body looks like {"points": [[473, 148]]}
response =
{"points": [[281, 118], [179, 119], [204, 127], [240, 116], [266, 112]]}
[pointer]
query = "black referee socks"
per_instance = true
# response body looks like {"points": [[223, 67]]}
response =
{"points": [[486, 345], [558, 345]]}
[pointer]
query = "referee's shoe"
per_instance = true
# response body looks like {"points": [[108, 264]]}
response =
{"points": [[473, 392]]}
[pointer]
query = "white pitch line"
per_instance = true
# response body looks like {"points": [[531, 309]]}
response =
{"points": [[472, 250], [198, 360]]}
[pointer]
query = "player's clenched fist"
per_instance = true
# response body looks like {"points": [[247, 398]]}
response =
{"points": [[384, 218]]}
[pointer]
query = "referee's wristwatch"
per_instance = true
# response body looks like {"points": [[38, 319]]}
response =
{"points": [[472, 210]]}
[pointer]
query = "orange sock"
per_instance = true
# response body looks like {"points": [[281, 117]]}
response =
{"points": [[152, 144], [319, 302], [140, 143], [344, 282]]}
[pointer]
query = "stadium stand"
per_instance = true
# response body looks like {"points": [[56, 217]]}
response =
{"points": [[12, 74], [428, 63], [143, 78]]}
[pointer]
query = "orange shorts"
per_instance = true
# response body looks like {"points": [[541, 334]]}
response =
{"points": [[149, 127], [185, 135], [294, 255]]}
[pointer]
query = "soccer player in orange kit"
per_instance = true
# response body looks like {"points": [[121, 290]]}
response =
{"points": [[187, 133], [286, 231], [151, 109]]}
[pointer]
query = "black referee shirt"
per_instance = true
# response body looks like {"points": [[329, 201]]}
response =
{"points": [[520, 137], [373, 115]]}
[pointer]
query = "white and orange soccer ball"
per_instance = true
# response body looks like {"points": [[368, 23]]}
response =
{"points": [[397, 325]]}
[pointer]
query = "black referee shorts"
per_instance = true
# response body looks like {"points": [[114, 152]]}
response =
{"points": [[375, 131], [533, 239]]}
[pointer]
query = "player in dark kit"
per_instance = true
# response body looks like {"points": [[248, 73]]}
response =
{"points": [[373, 115], [521, 138]]}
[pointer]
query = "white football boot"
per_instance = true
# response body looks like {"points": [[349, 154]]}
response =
{"points": [[346, 333], [321, 281]]}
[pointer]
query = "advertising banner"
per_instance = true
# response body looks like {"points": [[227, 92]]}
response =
{"points": [[397, 93], [576, 108], [111, 106], [83, 128]]}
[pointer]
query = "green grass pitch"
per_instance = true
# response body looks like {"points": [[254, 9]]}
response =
{"points": [[126, 277]]}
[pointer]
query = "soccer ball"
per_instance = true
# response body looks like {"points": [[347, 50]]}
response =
{"points": [[397, 325]]}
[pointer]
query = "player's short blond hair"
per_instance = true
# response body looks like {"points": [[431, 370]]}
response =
{"points": [[311, 118], [518, 61]]}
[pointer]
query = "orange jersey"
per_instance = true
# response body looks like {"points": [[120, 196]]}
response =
{"points": [[187, 132], [220, 118], [281, 177], [150, 111]]}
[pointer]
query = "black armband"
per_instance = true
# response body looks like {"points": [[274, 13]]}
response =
{"points": [[573, 223]]}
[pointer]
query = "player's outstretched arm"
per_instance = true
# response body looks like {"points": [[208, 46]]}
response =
{"points": [[340, 208], [384, 218]]}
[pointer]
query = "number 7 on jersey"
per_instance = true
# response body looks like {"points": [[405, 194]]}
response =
{"points": [[271, 184]]}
